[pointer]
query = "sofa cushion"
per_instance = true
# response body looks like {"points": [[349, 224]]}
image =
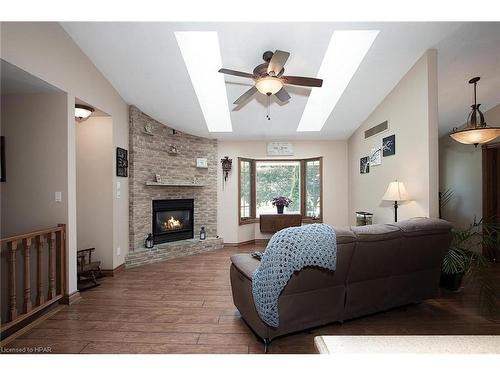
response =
{"points": [[376, 232]]}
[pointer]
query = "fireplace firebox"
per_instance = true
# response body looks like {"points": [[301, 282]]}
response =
{"points": [[173, 220]]}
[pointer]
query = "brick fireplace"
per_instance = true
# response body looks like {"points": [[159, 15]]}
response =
{"points": [[150, 153]]}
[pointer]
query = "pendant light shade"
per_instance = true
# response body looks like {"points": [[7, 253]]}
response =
{"points": [[475, 131]]}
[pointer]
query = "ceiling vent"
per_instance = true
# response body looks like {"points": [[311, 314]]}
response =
{"points": [[376, 129]]}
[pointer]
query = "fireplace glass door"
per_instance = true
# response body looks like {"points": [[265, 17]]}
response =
{"points": [[173, 221]]}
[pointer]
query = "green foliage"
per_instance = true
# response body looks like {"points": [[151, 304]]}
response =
{"points": [[466, 246], [278, 180]]}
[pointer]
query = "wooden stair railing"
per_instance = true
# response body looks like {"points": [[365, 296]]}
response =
{"points": [[19, 248]]}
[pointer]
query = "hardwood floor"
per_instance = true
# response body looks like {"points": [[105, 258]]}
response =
{"points": [[184, 305]]}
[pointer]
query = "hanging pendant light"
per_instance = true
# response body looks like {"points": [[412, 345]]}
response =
{"points": [[475, 131]]}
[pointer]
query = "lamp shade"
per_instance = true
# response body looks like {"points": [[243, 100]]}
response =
{"points": [[396, 191], [269, 85]]}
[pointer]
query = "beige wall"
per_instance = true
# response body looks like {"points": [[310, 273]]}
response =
{"points": [[34, 126], [411, 110], [46, 51], [335, 188], [94, 187], [461, 170]]}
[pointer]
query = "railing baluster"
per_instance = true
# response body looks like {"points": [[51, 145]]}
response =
{"points": [[63, 258], [12, 281], [52, 268], [40, 298], [55, 238], [27, 274]]}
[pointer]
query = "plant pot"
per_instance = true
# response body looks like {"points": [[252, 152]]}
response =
{"points": [[280, 208], [451, 281]]}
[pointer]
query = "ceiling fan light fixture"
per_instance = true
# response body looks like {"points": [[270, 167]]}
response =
{"points": [[269, 85]]}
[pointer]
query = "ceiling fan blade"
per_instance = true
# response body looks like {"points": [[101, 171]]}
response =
{"points": [[283, 95], [277, 62], [303, 81], [235, 73], [247, 95]]}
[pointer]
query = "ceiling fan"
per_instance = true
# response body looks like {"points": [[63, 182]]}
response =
{"points": [[269, 78]]}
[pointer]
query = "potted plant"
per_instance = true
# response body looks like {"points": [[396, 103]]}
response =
{"points": [[280, 203], [464, 254]]}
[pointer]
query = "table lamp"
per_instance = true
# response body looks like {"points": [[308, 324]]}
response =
{"points": [[396, 192]]}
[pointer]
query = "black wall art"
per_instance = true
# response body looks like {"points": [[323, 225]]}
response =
{"points": [[364, 165], [389, 145], [121, 162]]}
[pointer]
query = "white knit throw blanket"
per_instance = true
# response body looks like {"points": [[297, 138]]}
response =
{"points": [[288, 251]]}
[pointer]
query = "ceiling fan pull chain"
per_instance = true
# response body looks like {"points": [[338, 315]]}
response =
{"points": [[268, 107]]}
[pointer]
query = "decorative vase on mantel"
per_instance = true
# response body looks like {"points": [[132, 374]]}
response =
{"points": [[280, 208]]}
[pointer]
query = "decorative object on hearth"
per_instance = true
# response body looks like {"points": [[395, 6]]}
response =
{"points": [[389, 145], [203, 234], [281, 203], [364, 165], [226, 167], [82, 112], [376, 156], [158, 178], [149, 242], [3, 176], [121, 162], [396, 192], [475, 131], [364, 218], [172, 150]]}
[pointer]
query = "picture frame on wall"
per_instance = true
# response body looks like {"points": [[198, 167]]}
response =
{"points": [[3, 177], [121, 162], [376, 156], [364, 165], [389, 145]]}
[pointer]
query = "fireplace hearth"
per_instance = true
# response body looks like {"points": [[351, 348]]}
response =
{"points": [[173, 220]]}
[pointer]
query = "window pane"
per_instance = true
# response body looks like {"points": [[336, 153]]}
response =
{"points": [[312, 188], [277, 178], [245, 189]]}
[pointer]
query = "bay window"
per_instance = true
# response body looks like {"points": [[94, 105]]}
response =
{"points": [[261, 180]]}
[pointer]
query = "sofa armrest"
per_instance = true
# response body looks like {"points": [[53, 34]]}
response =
{"points": [[245, 263]]}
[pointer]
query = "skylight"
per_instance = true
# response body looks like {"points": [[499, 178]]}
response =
{"points": [[344, 54], [201, 53]]}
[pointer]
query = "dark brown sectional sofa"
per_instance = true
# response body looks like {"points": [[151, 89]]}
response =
{"points": [[378, 267]]}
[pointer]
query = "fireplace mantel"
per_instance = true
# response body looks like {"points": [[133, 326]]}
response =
{"points": [[176, 184]]}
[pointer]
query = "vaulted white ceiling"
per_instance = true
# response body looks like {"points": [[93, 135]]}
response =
{"points": [[144, 63]]}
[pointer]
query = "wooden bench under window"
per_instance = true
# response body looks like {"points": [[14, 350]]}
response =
{"points": [[273, 223]]}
